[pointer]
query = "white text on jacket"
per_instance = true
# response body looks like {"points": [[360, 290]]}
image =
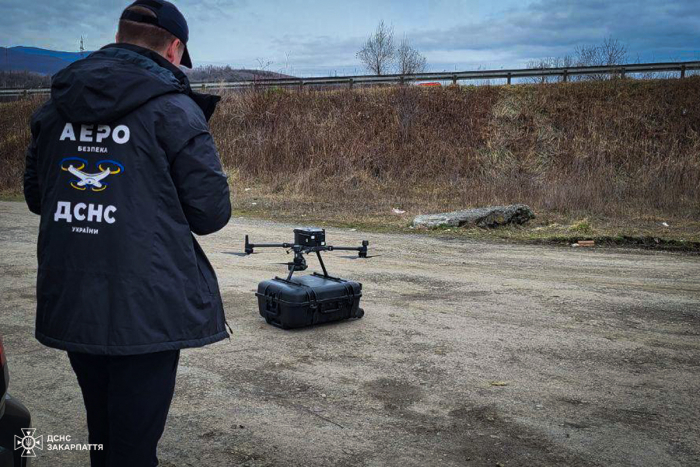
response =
{"points": [[90, 134], [81, 211]]}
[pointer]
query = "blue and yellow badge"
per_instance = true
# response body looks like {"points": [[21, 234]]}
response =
{"points": [[75, 166]]}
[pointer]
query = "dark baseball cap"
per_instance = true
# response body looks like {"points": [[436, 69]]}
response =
{"points": [[168, 17]]}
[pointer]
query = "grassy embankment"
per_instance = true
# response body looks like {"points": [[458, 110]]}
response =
{"points": [[610, 161]]}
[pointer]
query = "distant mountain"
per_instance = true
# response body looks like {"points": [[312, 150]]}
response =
{"points": [[214, 73], [46, 62]]}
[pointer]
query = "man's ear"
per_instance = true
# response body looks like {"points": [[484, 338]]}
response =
{"points": [[173, 52]]}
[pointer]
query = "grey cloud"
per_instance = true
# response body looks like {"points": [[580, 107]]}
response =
{"points": [[644, 25], [210, 10], [651, 29], [58, 24]]}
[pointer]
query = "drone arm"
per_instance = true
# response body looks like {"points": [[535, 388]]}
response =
{"points": [[102, 175], [361, 249], [249, 247], [77, 173]]}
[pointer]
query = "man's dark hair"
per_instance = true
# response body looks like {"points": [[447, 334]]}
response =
{"points": [[145, 35]]}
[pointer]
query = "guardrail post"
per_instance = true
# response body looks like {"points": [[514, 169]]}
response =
{"points": [[351, 82], [682, 71], [454, 80], [301, 84], [401, 80], [509, 76], [566, 75]]}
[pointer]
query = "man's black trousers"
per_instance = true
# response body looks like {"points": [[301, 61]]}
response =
{"points": [[127, 400]]}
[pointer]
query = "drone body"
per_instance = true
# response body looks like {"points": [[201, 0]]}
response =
{"points": [[93, 180]]}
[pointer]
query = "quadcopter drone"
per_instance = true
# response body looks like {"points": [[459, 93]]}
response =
{"points": [[85, 180], [307, 240], [89, 179]]}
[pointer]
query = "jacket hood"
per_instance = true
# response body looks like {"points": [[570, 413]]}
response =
{"points": [[112, 82]]}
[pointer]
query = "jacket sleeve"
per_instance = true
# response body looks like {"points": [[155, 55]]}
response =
{"points": [[196, 170], [32, 191]]}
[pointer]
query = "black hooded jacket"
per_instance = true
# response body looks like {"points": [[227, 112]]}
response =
{"points": [[122, 168]]}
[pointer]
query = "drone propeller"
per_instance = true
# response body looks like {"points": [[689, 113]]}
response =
{"points": [[235, 253], [359, 257]]}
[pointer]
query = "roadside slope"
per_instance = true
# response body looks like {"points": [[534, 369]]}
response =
{"points": [[621, 156]]}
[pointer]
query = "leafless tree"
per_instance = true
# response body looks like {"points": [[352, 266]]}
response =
{"points": [[611, 52], [548, 63], [379, 52], [408, 59], [263, 64]]}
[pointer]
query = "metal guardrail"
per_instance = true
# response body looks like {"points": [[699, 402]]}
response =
{"points": [[454, 77]]}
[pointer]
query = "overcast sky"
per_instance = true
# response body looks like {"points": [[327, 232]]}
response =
{"points": [[320, 37]]}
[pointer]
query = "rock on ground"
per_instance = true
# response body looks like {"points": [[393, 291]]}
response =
{"points": [[492, 216]]}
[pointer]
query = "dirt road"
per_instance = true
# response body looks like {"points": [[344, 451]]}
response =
{"points": [[469, 354]]}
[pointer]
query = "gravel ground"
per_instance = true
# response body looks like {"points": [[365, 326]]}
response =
{"points": [[470, 353]]}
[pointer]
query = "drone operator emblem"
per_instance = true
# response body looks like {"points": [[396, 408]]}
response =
{"points": [[75, 166], [28, 442]]}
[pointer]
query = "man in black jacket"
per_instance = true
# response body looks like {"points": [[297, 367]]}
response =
{"points": [[122, 168]]}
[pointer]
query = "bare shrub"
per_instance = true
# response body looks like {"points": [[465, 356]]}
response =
{"points": [[547, 64], [408, 59], [610, 53], [14, 139]]}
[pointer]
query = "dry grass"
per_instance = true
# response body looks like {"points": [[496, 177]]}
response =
{"points": [[601, 151], [618, 148], [14, 139]]}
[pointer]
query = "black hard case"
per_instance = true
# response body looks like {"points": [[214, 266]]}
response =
{"points": [[308, 300]]}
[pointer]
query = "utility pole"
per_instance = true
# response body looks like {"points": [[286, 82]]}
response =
{"points": [[82, 46]]}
